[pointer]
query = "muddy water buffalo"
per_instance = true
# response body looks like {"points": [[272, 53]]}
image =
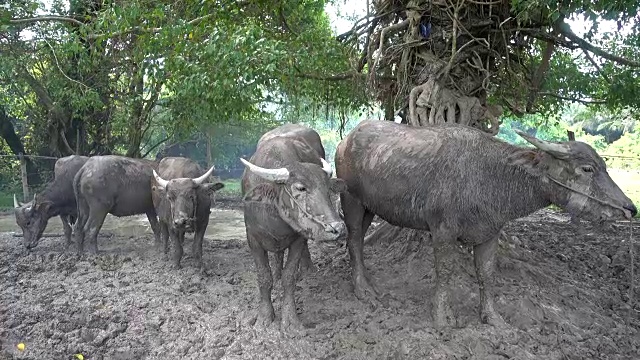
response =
{"points": [[460, 183], [287, 187], [114, 185], [182, 201], [301, 133], [57, 199]]}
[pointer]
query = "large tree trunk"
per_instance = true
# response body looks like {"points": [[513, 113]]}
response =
{"points": [[442, 78], [8, 133]]}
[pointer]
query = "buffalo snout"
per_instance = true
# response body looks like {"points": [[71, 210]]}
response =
{"points": [[631, 208], [183, 223], [335, 230]]}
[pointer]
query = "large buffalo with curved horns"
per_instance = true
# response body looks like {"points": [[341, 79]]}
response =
{"points": [[182, 199], [287, 186], [462, 184]]}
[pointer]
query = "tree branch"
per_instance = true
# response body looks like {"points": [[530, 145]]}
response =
{"points": [[139, 29], [45, 19], [156, 145], [595, 64], [582, 101], [566, 31], [540, 35], [337, 77], [538, 77]]}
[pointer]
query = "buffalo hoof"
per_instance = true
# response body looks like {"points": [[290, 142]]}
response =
{"points": [[291, 325], [264, 318], [175, 266], [364, 288], [493, 319], [443, 315], [203, 271]]}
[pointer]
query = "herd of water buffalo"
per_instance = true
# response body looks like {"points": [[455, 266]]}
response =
{"points": [[459, 183]]}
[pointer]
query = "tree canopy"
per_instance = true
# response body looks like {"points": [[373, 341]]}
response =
{"points": [[125, 76], [111, 76]]}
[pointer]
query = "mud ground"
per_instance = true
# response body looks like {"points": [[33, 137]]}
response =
{"points": [[563, 290]]}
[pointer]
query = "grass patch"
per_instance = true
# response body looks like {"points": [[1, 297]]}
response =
{"points": [[231, 187], [6, 200], [628, 180]]}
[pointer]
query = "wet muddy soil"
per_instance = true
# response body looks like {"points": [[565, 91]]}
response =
{"points": [[563, 290]]}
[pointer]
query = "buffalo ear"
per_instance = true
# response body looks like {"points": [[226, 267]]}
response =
{"points": [[338, 185], [527, 160], [265, 192], [44, 205], [211, 188]]}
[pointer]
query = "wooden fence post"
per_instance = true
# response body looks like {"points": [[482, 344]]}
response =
{"points": [[25, 182], [571, 135]]}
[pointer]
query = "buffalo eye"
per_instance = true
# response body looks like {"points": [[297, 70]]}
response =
{"points": [[299, 187], [587, 168]]}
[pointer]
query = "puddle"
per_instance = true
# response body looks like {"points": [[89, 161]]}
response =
{"points": [[223, 224]]}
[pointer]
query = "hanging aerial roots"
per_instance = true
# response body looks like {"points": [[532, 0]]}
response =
{"points": [[431, 103]]}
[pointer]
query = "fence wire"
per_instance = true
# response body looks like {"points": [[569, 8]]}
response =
{"points": [[16, 178]]}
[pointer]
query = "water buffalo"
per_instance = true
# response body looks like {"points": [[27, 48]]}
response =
{"points": [[115, 185], [287, 187], [182, 201], [57, 199], [312, 139], [460, 183]]}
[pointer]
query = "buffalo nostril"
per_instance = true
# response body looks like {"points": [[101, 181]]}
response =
{"points": [[338, 227], [632, 208]]}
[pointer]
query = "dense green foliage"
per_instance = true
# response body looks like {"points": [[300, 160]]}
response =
{"points": [[135, 76]]}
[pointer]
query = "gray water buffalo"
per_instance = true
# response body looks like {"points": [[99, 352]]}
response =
{"points": [[115, 185], [312, 139], [462, 184], [286, 187], [182, 201], [57, 199]]}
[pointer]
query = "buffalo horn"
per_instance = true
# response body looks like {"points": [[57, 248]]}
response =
{"points": [[558, 150], [276, 175], [204, 177], [162, 182], [326, 167], [15, 202]]}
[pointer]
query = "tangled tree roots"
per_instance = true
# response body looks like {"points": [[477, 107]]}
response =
{"points": [[431, 103]]}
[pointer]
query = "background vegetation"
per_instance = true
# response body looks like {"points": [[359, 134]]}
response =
{"points": [[206, 79]]}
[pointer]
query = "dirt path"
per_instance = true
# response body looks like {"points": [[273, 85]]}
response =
{"points": [[564, 295]]}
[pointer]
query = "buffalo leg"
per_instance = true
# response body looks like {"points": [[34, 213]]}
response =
{"points": [[306, 264], [66, 227], [444, 249], [92, 228], [198, 238], [484, 259], [83, 213], [266, 313], [155, 227], [277, 266], [178, 241], [358, 220], [164, 238], [290, 321]]}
